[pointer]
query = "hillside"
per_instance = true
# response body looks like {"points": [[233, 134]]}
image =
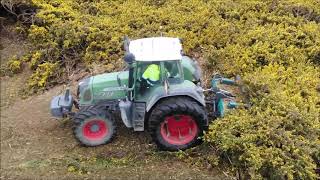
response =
{"points": [[273, 45]]}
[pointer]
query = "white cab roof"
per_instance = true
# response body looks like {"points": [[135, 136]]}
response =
{"points": [[156, 49]]}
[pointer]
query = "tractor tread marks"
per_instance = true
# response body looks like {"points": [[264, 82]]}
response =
{"points": [[182, 105]]}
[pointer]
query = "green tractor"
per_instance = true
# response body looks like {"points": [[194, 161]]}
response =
{"points": [[160, 91]]}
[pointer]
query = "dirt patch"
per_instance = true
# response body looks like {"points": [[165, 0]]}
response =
{"points": [[33, 145]]}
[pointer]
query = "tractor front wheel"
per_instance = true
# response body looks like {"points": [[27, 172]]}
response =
{"points": [[177, 124], [93, 127]]}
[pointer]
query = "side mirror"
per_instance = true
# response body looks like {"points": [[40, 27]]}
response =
{"points": [[129, 58]]}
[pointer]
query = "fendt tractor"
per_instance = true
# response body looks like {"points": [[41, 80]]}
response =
{"points": [[160, 91]]}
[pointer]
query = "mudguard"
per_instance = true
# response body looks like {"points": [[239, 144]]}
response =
{"points": [[194, 93]]}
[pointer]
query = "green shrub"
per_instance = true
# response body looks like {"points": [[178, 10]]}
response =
{"points": [[278, 137], [277, 55], [42, 75], [235, 36], [14, 65]]}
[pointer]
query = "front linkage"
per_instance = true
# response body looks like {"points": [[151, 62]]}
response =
{"points": [[61, 105]]}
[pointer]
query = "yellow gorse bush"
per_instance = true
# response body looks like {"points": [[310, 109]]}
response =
{"points": [[42, 75], [274, 45], [14, 65], [237, 37], [279, 135]]}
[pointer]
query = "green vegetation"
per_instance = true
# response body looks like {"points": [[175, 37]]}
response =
{"points": [[14, 65], [86, 165], [42, 75], [274, 45], [279, 135]]}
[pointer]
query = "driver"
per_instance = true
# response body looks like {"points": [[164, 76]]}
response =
{"points": [[152, 74], [150, 77]]}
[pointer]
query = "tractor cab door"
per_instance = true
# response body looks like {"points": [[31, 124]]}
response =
{"points": [[148, 80], [169, 71], [144, 90], [147, 92]]}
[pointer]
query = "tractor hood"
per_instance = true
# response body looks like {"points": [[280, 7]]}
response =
{"points": [[109, 80], [103, 87]]}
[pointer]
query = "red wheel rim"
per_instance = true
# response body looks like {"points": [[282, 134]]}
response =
{"points": [[179, 129], [95, 130]]}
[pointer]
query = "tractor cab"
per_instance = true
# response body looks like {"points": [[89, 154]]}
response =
{"points": [[155, 72], [154, 64]]}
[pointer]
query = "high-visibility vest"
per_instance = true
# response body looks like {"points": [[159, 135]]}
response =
{"points": [[152, 73]]}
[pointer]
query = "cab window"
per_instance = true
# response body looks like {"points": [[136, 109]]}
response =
{"points": [[172, 71], [144, 68]]}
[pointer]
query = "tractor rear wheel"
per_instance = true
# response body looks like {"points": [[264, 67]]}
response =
{"points": [[93, 127], [177, 123]]}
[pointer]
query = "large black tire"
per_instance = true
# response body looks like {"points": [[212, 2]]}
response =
{"points": [[93, 126], [177, 108]]}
